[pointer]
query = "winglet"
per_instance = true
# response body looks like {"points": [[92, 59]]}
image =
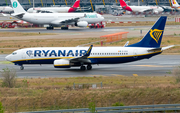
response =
{"points": [[126, 44], [89, 51]]}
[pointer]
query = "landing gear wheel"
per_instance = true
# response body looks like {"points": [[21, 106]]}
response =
{"points": [[89, 67], [21, 67], [49, 28], [64, 28], [83, 68]]}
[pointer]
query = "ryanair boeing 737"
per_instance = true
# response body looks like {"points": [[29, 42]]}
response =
{"points": [[66, 57]]}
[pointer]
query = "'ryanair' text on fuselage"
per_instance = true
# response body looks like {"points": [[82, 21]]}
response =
{"points": [[56, 53]]}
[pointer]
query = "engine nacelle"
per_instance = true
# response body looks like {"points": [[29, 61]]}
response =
{"points": [[62, 63], [155, 12], [81, 24]]}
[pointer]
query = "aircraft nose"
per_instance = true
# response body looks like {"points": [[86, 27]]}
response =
{"points": [[100, 16], [8, 58]]}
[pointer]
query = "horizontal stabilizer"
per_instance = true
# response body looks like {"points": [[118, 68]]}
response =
{"points": [[154, 50], [4, 14], [20, 15], [167, 47], [160, 49]]}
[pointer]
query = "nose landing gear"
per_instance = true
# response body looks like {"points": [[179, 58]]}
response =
{"points": [[21, 67]]}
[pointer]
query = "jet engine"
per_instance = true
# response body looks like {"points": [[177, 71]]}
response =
{"points": [[62, 63], [155, 12], [81, 24]]}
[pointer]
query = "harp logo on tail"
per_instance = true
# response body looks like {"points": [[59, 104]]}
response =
{"points": [[156, 34]]}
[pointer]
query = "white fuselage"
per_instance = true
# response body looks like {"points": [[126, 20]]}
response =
{"points": [[142, 9], [99, 55], [51, 9], [6, 9], [55, 18]]}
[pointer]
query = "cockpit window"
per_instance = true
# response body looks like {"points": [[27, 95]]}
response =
{"points": [[14, 53]]}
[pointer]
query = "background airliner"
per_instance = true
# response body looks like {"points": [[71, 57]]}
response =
{"points": [[141, 9], [66, 57], [6, 9], [56, 9], [56, 19], [175, 4]]}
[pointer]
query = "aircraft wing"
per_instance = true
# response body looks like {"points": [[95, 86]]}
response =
{"points": [[146, 10], [83, 58], [69, 20]]}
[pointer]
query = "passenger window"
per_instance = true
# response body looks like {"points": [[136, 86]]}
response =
{"points": [[14, 53]]}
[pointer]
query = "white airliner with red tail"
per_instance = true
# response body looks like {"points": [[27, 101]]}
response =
{"points": [[175, 5], [56, 9], [141, 9], [55, 19]]}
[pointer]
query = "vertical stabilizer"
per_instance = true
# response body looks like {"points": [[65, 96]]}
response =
{"points": [[174, 3], [154, 36], [122, 3], [75, 6], [17, 7]]}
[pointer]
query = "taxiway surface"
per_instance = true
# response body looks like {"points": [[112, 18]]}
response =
{"points": [[159, 65]]}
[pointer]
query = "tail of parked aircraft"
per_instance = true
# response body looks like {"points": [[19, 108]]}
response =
{"points": [[75, 6], [17, 7], [174, 3], [154, 36], [122, 3]]}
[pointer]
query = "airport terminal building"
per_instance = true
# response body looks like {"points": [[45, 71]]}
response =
{"points": [[44, 3]]}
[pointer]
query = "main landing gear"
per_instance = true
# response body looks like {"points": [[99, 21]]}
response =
{"points": [[21, 67], [50, 28], [89, 67], [64, 28]]}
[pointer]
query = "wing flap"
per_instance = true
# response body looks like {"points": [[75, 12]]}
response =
{"points": [[68, 20]]}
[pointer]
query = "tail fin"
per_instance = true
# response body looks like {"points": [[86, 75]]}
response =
{"points": [[17, 7], [154, 36], [174, 3], [75, 6], [122, 3]]}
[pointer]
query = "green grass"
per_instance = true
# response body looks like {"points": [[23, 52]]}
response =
{"points": [[57, 93]]}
